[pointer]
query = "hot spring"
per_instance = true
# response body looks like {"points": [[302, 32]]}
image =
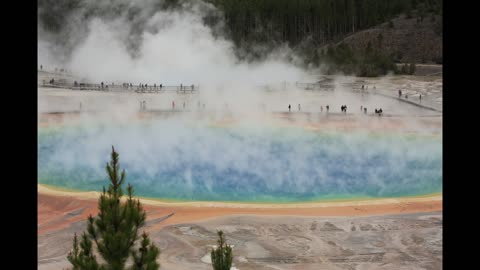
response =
{"points": [[193, 161]]}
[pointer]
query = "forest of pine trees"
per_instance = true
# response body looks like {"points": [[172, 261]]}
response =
{"points": [[291, 21], [306, 25], [322, 21]]}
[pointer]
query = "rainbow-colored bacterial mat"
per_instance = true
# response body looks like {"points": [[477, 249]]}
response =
{"points": [[169, 160]]}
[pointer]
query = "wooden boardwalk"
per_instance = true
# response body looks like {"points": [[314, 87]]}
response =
{"points": [[180, 89]]}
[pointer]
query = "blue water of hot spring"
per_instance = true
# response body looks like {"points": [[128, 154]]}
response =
{"points": [[184, 162]]}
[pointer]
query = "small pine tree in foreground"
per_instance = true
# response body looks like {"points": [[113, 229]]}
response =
{"points": [[114, 231], [221, 256]]}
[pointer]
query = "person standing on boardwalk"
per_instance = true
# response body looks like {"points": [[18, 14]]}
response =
{"points": [[299, 108], [173, 105], [328, 108], [289, 107]]}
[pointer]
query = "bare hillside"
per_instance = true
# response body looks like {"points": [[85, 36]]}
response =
{"points": [[406, 39]]}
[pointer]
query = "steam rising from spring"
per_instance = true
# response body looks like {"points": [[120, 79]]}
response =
{"points": [[175, 46], [192, 161]]}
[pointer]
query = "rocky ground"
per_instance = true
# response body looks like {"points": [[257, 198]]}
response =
{"points": [[408, 241]]}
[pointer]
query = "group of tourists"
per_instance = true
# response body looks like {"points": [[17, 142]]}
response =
{"points": [[184, 105], [343, 108], [290, 107], [406, 96], [365, 87], [61, 70], [140, 87], [185, 88], [300, 107], [379, 112], [146, 87]]}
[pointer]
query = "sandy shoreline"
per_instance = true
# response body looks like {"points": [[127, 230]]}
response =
{"points": [[49, 190], [55, 204]]}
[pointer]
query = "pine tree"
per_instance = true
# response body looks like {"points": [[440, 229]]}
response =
{"points": [[115, 230], [412, 68], [221, 256], [146, 258], [83, 258], [404, 69]]}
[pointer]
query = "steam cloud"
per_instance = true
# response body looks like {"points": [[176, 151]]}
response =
{"points": [[179, 157], [172, 47], [186, 160]]}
